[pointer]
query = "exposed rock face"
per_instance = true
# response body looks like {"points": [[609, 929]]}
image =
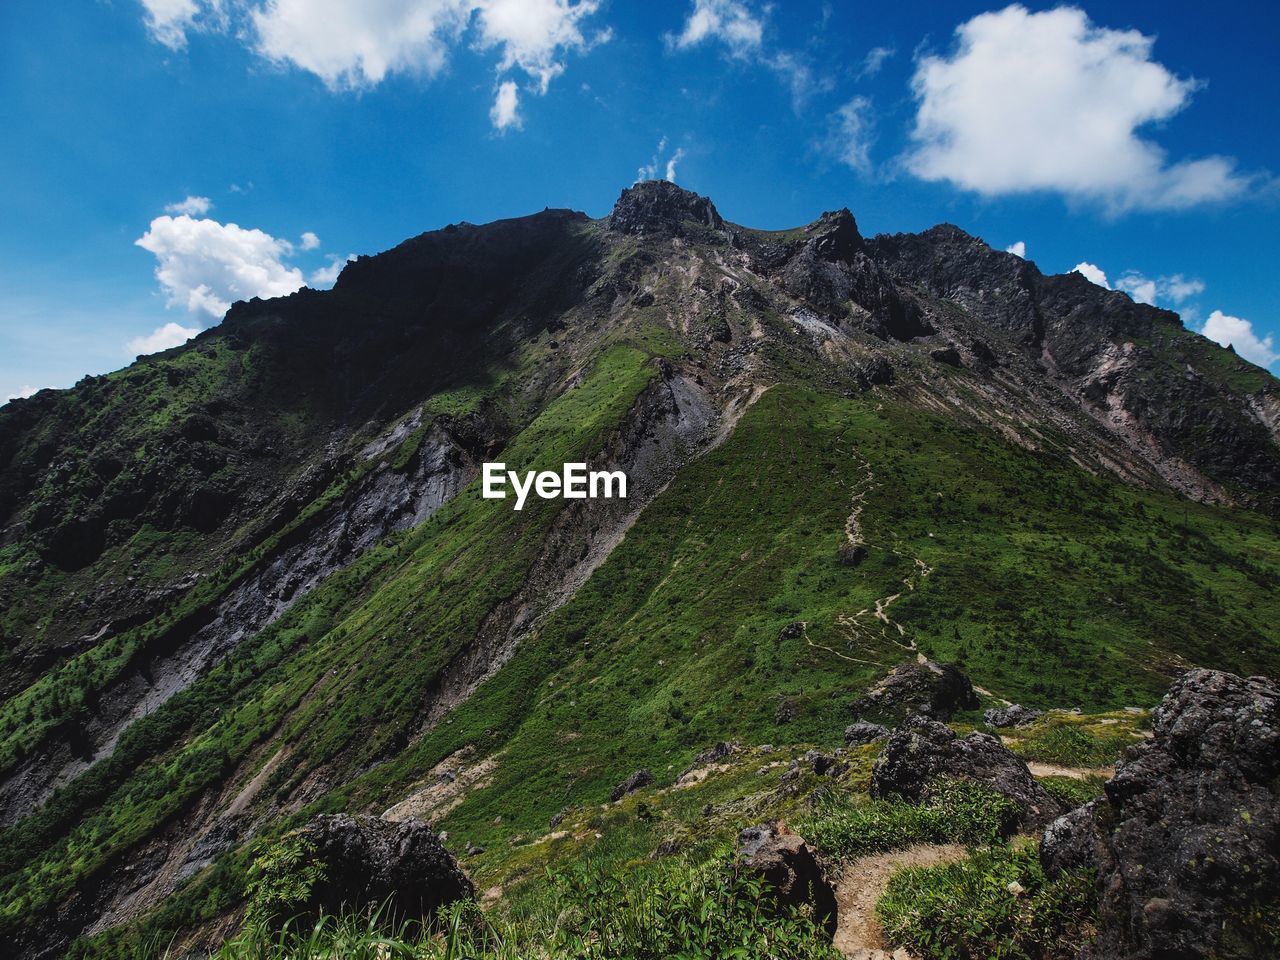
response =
{"points": [[788, 865], [659, 208], [637, 781], [368, 861], [928, 689], [924, 751], [1014, 715], [713, 754], [857, 734], [1186, 841]]}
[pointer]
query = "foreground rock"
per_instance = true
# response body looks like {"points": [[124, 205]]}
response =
{"points": [[926, 689], [783, 859], [860, 733], [922, 752], [1187, 838], [366, 862]]}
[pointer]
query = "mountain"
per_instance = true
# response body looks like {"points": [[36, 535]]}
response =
{"points": [[252, 579]]}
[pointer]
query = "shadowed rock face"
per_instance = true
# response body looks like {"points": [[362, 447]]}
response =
{"points": [[922, 752], [1186, 841], [368, 862]]}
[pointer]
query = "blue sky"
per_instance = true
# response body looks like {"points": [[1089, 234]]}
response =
{"points": [[162, 158]]}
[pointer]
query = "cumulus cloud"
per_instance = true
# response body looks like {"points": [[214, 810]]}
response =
{"points": [[328, 275], [1052, 102], [1142, 289], [1092, 273], [309, 241], [505, 111], [24, 391], [204, 265], [1018, 249], [850, 135], [162, 338], [355, 46], [729, 22], [194, 206], [1238, 333]]}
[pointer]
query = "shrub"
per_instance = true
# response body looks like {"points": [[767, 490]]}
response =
{"points": [[1072, 746]]}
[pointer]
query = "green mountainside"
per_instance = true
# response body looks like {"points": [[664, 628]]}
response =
{"points": [[252, 579]]}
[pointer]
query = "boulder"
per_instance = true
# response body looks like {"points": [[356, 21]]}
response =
{"points": [[713, 754], [928, 688], [782, 858], [857, 734], [366, 862], [923, 751], [1186, 840], [1014, 715], [637, 781]]}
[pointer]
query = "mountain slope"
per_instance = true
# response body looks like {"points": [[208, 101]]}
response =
{"points": [[252, 578]]}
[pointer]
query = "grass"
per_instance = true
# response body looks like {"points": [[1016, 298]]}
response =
{"points": [[1070, 741], [996, 904], [957, 812]]}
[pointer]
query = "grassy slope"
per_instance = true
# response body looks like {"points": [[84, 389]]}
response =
{"points": [[676, 640]]}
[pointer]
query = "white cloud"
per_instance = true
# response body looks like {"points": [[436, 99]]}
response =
{"points": [[194, 206], [671, 164], [327, 276], [874, 60], [728, 21], [204, 265], [1239, 333], [169, 20], [1092, 273], [309, 241], [354, 46], [162, 338], [1018, 249], [24, 391], [850, 135], [1171, 290], [533, 34], [1050, 101], [505, 111], [1142, 289]]}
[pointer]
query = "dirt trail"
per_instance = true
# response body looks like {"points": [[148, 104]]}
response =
{"points": [[863, 882]]}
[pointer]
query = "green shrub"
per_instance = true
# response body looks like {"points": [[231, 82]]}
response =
{"points": [[281, 880], [995, 905], [957, 811]]}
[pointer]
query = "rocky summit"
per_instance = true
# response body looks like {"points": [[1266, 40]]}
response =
{"points": [[267, 650]]}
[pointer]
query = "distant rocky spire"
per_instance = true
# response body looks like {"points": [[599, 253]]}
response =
{"points": [[657, 207]]}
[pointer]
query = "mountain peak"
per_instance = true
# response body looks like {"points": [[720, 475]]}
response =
{"points": [[660, 207]]}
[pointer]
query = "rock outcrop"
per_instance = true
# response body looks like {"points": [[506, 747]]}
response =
{"points": [[783, 859], [637, 781], [928, 689], [366, 863], [1014, 715], [1186, 841], [922, 752], [857, 734]]}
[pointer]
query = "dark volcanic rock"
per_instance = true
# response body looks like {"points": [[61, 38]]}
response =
{"points": [[368, 861], [1186, 841], [659, 208], [788, 865], [857, 734], [924, 751], [930, 689], [637, 781], [713, 754], [948, 355], [1014, 715]]}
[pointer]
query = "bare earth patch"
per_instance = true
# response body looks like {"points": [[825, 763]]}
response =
{"points": [[1075, 773], [863, 882]]}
